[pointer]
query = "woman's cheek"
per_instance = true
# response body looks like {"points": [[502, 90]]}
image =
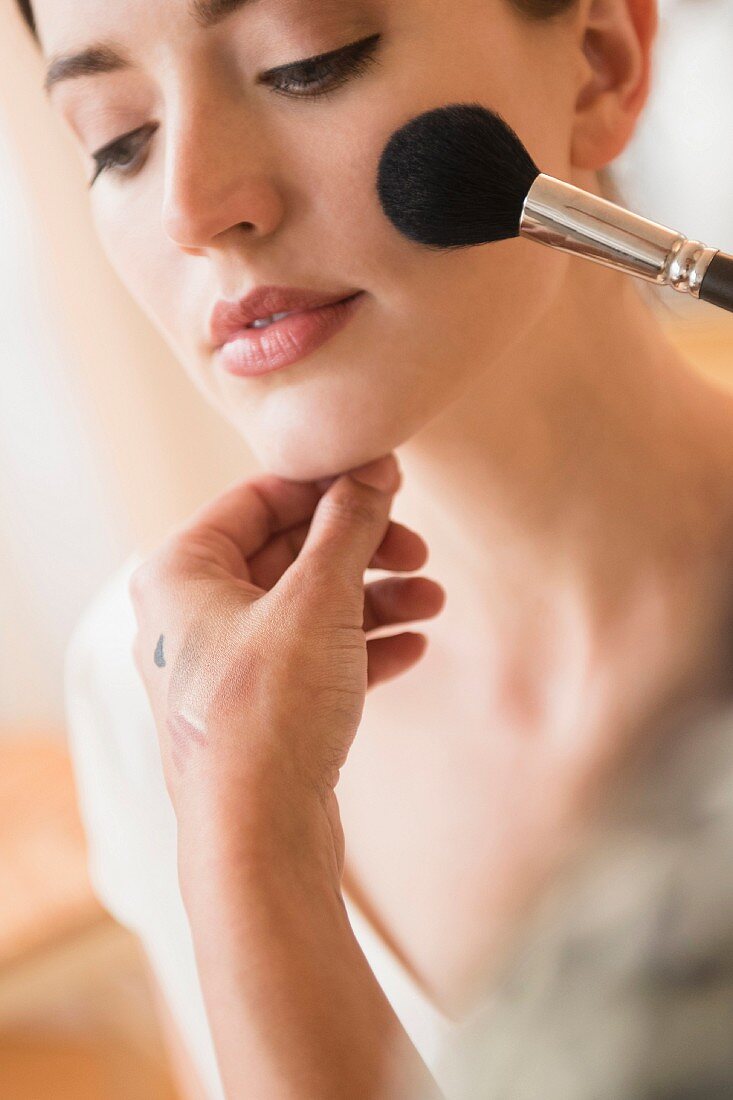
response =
{"points": [[151, 268]]}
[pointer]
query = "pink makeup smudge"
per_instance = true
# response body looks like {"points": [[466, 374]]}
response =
{"points": [[183, 734]]}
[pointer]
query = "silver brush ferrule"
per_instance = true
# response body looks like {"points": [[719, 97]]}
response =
{"points": [[572, 220]]}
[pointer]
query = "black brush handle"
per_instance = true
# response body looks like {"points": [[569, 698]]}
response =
{"points": [[717, 286]]}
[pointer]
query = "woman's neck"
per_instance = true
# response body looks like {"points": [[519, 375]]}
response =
{"points": [[585, 474]]}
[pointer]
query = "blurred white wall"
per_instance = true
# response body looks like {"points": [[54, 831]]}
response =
{"points": [[104, 444], [679, 169], [57, 525]]}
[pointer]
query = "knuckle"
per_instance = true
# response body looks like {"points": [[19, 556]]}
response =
{"points": [[156, 571], [351, 505]]}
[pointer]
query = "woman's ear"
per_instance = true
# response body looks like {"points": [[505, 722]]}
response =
{"points": [[616, 41]]}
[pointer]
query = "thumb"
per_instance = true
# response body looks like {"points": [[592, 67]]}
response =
{"points": [[350, 522]]}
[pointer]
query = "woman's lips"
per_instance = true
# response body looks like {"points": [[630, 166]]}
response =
{"points": [[252, 351]]}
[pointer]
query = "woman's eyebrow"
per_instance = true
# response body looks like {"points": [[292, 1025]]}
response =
{"points": [[207, 13], [103, 57]]}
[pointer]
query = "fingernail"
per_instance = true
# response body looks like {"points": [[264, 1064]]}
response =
{"points": [[384, 474]]}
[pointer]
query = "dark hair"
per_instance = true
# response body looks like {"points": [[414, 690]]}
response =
{"points": [[535, 9], [27, 12], [542, 9]]}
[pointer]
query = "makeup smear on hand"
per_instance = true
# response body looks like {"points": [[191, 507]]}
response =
{"points": [[183, 734]]}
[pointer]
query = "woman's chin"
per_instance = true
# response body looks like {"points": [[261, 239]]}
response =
{"points": [[307, 465]]}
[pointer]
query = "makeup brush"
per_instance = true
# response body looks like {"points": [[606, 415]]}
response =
{"points": [[458, 175]]}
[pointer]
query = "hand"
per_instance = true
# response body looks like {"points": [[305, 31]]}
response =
{"points": [[252, 635]]}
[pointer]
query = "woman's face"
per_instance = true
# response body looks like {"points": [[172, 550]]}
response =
{"points": [[237, 179]]}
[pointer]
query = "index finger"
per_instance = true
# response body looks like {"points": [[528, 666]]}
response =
{"points": [[244, 517]]}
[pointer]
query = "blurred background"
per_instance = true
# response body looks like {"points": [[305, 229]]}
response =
{"points": [[90, 402]]}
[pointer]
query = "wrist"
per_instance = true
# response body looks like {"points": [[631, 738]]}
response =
{"points": [[251, 834]]}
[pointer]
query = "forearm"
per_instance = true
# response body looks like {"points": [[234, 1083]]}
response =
{"points": [[294, 1007]]}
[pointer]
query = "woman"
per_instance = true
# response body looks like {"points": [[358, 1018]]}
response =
{"points": [[569, 472]]}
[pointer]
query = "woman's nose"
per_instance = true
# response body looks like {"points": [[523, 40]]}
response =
{"points": [[218, 178]]}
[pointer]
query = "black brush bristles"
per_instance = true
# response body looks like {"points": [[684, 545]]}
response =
{"points": [[455, 176]]}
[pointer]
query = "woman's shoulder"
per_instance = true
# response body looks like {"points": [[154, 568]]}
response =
{"points": [[108, 716], [114, 751], [107, 621]]}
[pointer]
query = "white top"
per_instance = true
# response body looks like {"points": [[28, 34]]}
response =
{"points": [[131, 831], [621, 984]]}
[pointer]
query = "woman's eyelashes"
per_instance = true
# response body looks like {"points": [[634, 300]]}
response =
{"points": [[116, 155], [324, 73], [312, 78]]}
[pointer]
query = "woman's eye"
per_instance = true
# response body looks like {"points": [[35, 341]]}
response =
{"points": [[315, 76], [120, 155]]}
